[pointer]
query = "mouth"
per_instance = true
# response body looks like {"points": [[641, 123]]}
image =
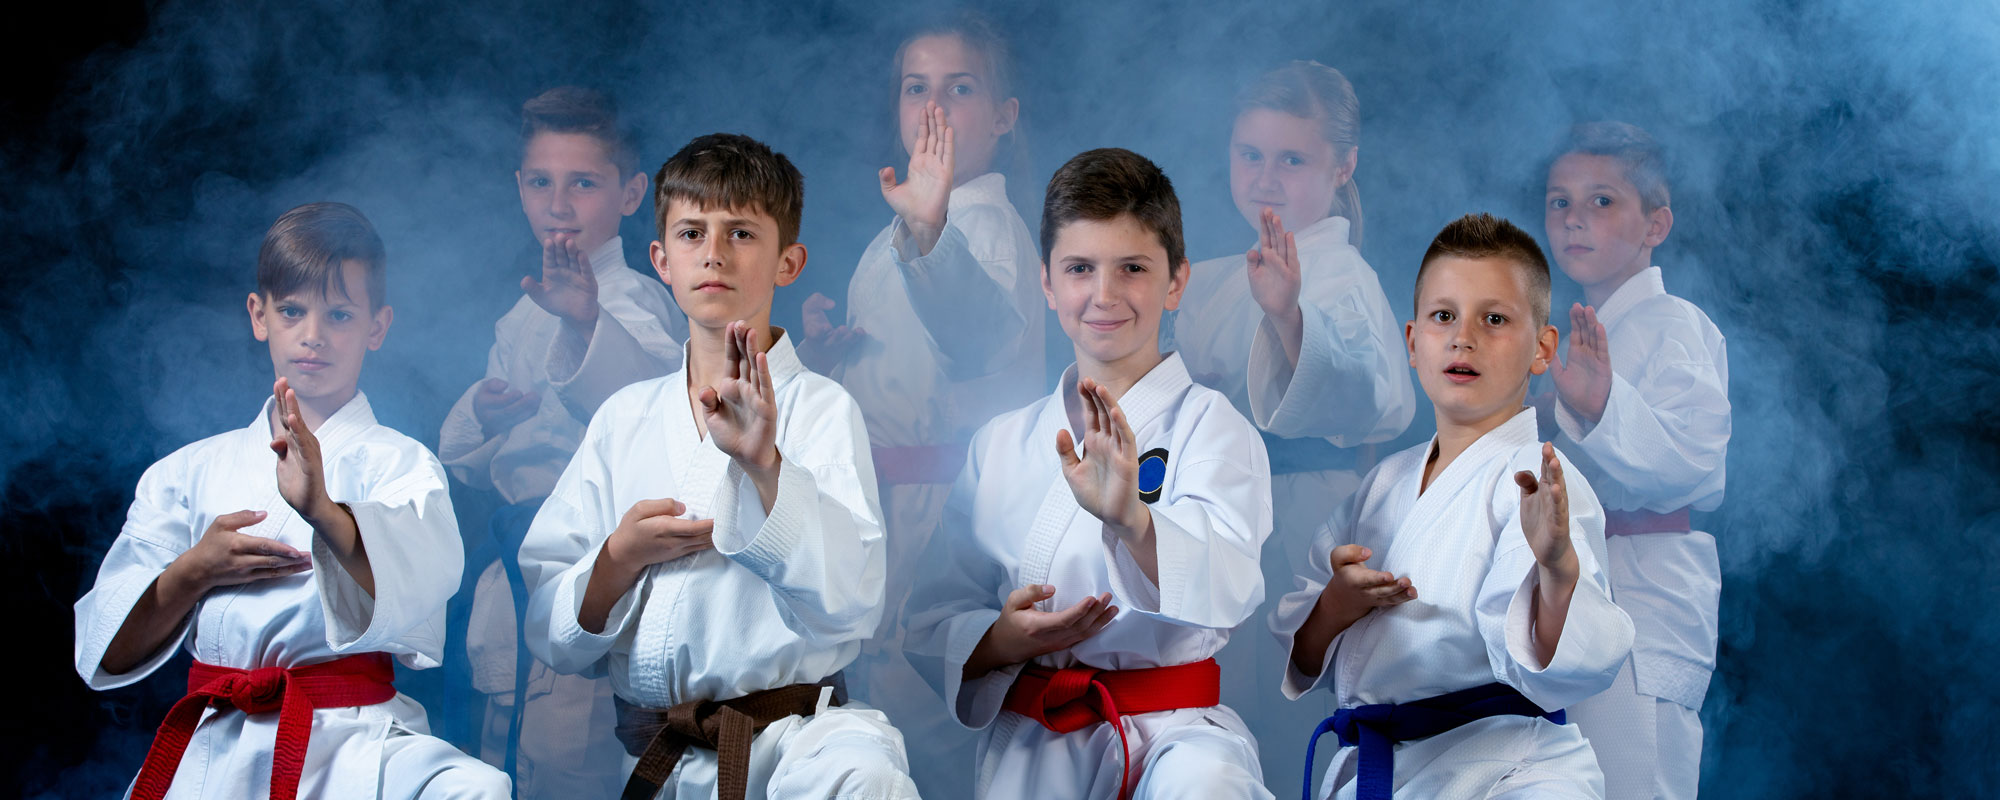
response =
{"points": [[1105, 327], [1460, 372], [1576, 250], [712, 286], [310, 365]]}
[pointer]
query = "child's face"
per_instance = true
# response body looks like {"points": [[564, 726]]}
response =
{"points": [[1108, 282], [1474, 342], [724, 264], [1281, 162], [318, 339], [570, 189], [944, 70], [1598, 229]]}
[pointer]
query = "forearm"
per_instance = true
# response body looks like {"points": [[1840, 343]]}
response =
{"points": [[166, 602], [1141, 539], [334, 525], [1554, 586], [1317, 634], [609, 581], [1291, 330], [986, 656]]}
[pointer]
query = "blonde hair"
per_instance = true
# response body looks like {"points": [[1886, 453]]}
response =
{"points": [[1010, 156], [1315, 91]]}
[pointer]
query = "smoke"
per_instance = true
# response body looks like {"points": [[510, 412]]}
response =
{"points": [[1834, 192]]}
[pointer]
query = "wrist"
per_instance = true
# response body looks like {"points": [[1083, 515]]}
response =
{"points": [[321, 512], [181, 582], [1287, 317], [1342, 615], [582, 324], [613, 563], [1562, 574], [762, 465], [1134, 525]]}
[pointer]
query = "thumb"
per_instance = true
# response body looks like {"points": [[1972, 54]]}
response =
{"points": [[1066, 448], [530, 285], [709, 399], [888, 178], [494, 385], [239, 519], [1526, 480], [1350, 554], [1027, 596]]}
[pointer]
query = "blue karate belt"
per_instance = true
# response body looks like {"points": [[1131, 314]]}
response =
{"points": [[1377, 728]]}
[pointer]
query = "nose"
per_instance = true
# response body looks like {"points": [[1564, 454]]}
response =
{"points": [[1101, 294], [559, 204], [1572, 218], [1461, 337], [1260, 181], [711, 252], [312, 332]]}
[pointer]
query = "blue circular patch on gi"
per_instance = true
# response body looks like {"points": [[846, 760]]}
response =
{"points": [[1152, 474]]}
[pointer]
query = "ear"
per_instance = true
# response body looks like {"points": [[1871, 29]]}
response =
{"points": [[1410, 341], [635, 193], [1010, 112], [380, 331], [1545, 349], [521, 186], [791, 264], [1345, 172], [256, 308], [1658, 225], [1178, 284], [657, 253], [1048, 287]]}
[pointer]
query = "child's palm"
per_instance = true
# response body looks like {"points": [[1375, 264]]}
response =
{"points": [[922, 198], [1583, 377], [1104, 478], [741, 411], [1274, 271], [1545, 510]]}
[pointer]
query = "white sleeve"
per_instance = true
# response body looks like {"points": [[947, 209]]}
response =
{"points": [[963, 290], [956, 598], [630, 343], [1666, 435], [1596, 635], [1291, 611], [411, 537], [158, 529], [1208, 533], [559, 554], [821, 546], [1352, 382], [462, 445]]}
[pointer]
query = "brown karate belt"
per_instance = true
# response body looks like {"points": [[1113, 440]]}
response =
{"points": [[659, 737]]}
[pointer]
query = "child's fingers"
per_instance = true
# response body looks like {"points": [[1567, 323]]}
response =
{"points": [[1350, 554], [888, 177], [1066, 448], [1027, 596], [1525, 480]]}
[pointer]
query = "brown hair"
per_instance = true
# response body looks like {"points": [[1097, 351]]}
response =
{"points": [[575, 109], [1645, 161], [305, 249], [727, 170], [1102, 184], [981, 35], [1314, 91], [1488, 236]]}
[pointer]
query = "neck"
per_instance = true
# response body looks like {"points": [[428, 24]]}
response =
{"points": [[968, 176], [1120, 375], [708, 349], [1595, 294], [1454, 436]]}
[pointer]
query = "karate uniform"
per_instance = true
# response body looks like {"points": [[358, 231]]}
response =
{"points": [[1014, 522], [1351, 387], [1659, 448], [396, 491], [566, 748], [783, 598], [955, 337], [1460, 544]]}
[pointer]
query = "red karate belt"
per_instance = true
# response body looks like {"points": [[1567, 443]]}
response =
{"points": [[357, 680], [1628, 523], [1074, 698]]}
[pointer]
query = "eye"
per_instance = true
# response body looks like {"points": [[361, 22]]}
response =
{"points": [[1252, 156], [1134, 267], [1442, 316], [1601, 201], [961, 89], [585, 183], [291, 312], [341, 316], [1559, 203], [1078, 268], [741, 234], [915, 89], [688, 235], [538, 182], [1496, 320], [1294, 161]]}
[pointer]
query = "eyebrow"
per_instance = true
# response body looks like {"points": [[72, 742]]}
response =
{"points": [[947, 77], [734, 222]]}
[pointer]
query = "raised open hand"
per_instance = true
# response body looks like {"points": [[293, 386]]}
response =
{"points": [[921, 199], [825, 345], [1105, 476], [1583, 377], [1545, 514], [1274, 268], [568, 288], [741, 410]]}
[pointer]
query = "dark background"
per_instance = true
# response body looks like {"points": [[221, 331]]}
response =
{"points": [[1836, 214]]}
